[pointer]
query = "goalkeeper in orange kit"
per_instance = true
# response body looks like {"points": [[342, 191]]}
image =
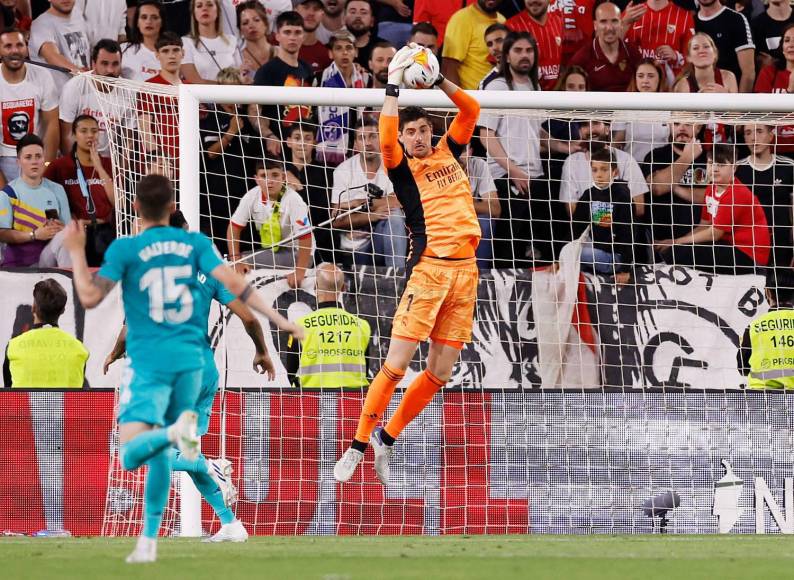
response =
{"points": [[440, 295]]}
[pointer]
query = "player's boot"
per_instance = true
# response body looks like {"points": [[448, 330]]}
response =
{"points": [[344, 468], [145, 551], [221, 472], [233, 532], [183, 434], [383, 455]]}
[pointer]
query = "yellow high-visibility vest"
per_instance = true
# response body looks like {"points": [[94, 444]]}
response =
{"points": [[333, 354], [772, 359], [47, 357]]}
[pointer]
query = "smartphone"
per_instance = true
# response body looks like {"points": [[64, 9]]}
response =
{"points": [[51, 214]]}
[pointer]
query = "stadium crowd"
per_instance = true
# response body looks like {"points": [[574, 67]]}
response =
{"points": [[715, 196]]}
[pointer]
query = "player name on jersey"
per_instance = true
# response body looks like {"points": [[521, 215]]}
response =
{"points": [[165, 247]]}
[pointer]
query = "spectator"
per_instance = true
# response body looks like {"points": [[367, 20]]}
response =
{"points": [[13, 17], [563, 134], [577, 20], [333, 19], [609, 61], [776, 77], [335, 122], [80, 98], [465, 56], [573, 78], [313, 52], [314, 181], [676, 173], [282, 70], [46, 356], [733, 40], [638, 138], [361, 22], [33, 213], [231, 145], [494, 37], [103, 19], [375, 234], [733, 236], [208, 50], [438, 13], [486, 204], [253, 26], [87, 179], [139, 54], [576, 171], [425, 34], [605, 207], [663, 33], [158, 117], [766, 350], [771, 178], [280, 217], [59, 37], [513, 147], [378, 66], [702, 75], [767, 30], [317, 362], [546, 27], [28, 101]]}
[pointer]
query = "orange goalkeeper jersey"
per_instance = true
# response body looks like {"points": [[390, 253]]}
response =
{"points": [[434, 191]]}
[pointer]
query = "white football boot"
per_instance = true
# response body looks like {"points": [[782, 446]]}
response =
{"points": [[145, 551], [221, 472], [183, 434], [233, 532], [344, 468], [383, 455]]}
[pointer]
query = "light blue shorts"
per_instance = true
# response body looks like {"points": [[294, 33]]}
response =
{"points": [[157, 397]]}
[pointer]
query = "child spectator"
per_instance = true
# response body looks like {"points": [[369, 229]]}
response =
{"points": [[606, 208], [733, 236]]}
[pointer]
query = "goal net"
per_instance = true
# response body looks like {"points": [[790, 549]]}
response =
{"points": [[617, 280]]}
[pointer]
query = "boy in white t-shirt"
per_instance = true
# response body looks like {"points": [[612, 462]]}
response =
{"points": [[277, 213]]}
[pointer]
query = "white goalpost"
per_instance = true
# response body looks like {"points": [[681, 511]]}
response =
{"points": [[585, 393]]}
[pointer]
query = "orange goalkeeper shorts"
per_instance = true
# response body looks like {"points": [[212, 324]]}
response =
{"points": [[438, 301]]}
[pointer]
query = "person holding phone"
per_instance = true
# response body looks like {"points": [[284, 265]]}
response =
{"points": [[33, 213]]}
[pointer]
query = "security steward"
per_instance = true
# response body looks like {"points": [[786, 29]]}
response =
{"points": [[46, 356], [334, 353], [767, 351]]}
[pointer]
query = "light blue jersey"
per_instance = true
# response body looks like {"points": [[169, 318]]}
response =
{"points": [[164, 303], [210, 289]]}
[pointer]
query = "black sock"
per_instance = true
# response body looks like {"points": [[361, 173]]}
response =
{"points": [[359, 445], [386, 438]]}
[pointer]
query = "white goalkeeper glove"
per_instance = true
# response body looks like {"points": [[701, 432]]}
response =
{"points": [[401, 61]]}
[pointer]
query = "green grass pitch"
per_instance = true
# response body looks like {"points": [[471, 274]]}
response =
{"points": [[340, 558]]}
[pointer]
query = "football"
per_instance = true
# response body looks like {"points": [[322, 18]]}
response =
{"points": [[423, 72]]}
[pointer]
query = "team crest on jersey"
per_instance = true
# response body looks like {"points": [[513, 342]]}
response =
{"points": [[671, 29], [558, 40]]}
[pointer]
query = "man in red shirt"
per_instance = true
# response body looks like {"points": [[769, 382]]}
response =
{"points": [[609, 61], [312, 52], [663, 32], [547, 28], [733, 235], [577, 22]]}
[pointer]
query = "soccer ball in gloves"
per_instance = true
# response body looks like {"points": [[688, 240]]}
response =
{"points": [[422, 74]]}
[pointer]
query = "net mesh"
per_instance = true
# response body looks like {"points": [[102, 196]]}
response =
{"points": [[603, 369]]}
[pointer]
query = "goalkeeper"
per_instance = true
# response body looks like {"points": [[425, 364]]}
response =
{"points": [[440, 294]]}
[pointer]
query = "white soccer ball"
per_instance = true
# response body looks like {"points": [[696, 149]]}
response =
{"points": [[423, 72]]}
